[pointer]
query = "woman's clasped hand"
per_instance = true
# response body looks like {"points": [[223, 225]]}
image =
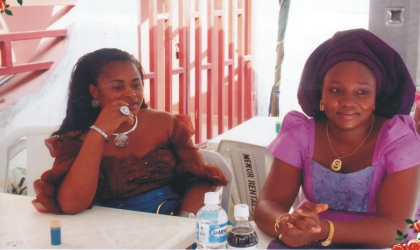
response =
{"points": [[299, 227]]}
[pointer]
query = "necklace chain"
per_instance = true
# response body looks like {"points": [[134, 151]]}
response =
{"points": [[121, 139], [129, 131], [336, 164]]}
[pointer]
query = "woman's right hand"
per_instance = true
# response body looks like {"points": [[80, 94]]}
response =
{"points": [[306, 216], [111, 117]]}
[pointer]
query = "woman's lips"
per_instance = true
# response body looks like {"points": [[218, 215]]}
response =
{"points": [[347, 115], [132, 106]]}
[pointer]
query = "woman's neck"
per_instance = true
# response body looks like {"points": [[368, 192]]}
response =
{"points": [[350, 136]]}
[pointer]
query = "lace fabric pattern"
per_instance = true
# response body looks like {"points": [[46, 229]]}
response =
{"points": [[342, 192]]}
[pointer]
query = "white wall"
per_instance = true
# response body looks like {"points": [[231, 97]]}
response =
{"points": [[310, 23], [103, 23], [100, 23], [264, 50]]}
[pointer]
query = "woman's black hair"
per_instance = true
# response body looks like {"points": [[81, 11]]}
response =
{"points": [[80, 114]]}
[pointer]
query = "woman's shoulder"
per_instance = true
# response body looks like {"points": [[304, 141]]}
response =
{"points": [[166, 116], [172, 122], [157, 118], [397, 131], [68, 136], [295, 120], [294, 139], [63, 143], [398, 143], [399, 126], [295, 126], [157, 114]]}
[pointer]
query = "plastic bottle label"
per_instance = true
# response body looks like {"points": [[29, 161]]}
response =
{"points": [[211, 233]]}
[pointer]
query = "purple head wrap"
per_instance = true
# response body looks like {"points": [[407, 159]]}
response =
{"points": [[395, 89]]}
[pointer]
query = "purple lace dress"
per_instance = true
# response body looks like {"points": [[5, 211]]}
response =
{"points": [[350, 196]]}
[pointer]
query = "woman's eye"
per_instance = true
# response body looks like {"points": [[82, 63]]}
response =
{"points": [[363, 92], [137, 85], [336, 90], [117, 87]]}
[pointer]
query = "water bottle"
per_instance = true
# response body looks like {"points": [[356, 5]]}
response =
{"points": [[242, 235], [211, 224]]}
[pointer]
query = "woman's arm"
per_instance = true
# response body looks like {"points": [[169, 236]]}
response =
{"points": [[78, 188], [194, 198], [277, 196], [397, 200], [195, 177]]}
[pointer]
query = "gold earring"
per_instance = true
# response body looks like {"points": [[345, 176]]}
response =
{"points": [[321, 106]]}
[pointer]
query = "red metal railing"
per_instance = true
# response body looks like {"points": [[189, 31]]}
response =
{"points": [[216, 72], [7, 67], [11, 41]]}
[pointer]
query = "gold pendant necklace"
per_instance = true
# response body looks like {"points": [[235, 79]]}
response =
{"points": [[336, 164]]}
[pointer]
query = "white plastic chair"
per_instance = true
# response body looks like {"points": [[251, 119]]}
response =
{"points": [[250, 165], [38, 157], [212, 157]]}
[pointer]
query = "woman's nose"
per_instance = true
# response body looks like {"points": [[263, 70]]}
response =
{"points": [[130, 92], [347, 101]]}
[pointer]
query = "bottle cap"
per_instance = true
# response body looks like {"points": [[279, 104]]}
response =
{"points": [[241, 210], [211, 198], [55, 223]]}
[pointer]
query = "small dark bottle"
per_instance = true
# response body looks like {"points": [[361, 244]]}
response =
{"points": [[242, 235]]}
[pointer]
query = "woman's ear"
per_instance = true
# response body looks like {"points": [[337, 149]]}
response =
{"points": [[93, 91]]}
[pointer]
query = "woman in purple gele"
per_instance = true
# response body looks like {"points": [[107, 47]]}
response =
{"points": [[354, 153]]}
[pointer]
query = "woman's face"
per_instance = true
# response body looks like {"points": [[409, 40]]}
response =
{"points": [[119, 81], [348, 94]]}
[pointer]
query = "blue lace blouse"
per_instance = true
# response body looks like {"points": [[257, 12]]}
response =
{"points": [[342, 192]]}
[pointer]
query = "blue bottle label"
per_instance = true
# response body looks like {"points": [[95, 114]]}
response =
{"points": [[55, 236], [211, 233]]}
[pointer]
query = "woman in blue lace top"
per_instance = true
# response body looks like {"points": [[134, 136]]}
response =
{"points": [[354, 153]]}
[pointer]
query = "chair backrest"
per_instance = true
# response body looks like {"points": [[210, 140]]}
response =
{"points": [[212, 157], [250, 165], [38, 158]]}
